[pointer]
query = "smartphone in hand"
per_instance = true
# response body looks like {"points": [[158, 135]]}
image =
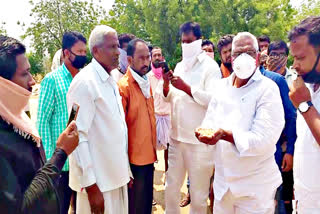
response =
{"points": [[73, 113]]}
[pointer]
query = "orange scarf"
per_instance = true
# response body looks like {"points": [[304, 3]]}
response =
{"points": [[13, 100]]}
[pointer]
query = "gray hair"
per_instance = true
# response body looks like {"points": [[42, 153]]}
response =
{"points": [[97, 36], [245, 34]]}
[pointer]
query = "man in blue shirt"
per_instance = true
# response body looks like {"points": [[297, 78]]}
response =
{"points": [[284, 159]]}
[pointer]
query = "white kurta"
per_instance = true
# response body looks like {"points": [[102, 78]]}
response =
{"points": [[254, 113], [186, 154], [306, 160], [102, 154]]}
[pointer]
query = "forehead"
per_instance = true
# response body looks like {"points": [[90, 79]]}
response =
{"points": [[79, 45], [111, 38], [188, 36], [141, 48], [299, 45], [263, 43], [156, 51], [226, 47], [244, 43]]}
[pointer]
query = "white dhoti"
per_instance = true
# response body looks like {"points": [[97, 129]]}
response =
{"points": [[262, 203], [115, 202], [197, 160], [163, 129], [308, 202]]}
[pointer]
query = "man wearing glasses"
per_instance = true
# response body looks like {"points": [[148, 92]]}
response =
{"points": [[246, 118]]}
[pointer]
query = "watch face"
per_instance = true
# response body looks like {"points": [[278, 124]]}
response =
{"points": [[303, 107]]}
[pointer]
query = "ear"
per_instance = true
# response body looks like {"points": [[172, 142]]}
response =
{"points": [[130, 59], [66, 53]]}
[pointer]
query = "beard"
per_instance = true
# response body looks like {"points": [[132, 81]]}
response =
{"points": [[228, 65]]}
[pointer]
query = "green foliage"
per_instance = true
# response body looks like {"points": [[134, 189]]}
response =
{"points": [[158, 21], [52, 18], [35, 63]]}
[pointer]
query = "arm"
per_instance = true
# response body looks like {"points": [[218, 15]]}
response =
{"points": [[202, 94], [45, 110], [41, 193], [300, 93], [266, 128]]}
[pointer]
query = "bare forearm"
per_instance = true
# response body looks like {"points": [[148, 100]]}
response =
{"points": [[312, 118]]}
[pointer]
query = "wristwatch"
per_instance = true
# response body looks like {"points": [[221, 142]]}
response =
{"points": [[304, 106]]}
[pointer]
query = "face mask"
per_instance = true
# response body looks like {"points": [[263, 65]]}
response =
{"points": [[211, 54], [313, 76], [191, 49], [244, 66], [79, 61]]}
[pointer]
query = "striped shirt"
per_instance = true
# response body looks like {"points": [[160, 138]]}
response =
{"points": [[52, 115]]}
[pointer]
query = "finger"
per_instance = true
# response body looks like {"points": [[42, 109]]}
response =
{"points": [[71, 127]]}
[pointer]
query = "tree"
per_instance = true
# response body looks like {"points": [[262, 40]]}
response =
{"points": [[52, 18], [157, 21]]}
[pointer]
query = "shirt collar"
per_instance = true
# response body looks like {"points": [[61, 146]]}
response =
{"points": [[65, 72], [103, 74], [201, 56]]}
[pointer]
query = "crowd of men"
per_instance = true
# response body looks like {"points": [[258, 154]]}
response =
{"points": [[247, 132]]}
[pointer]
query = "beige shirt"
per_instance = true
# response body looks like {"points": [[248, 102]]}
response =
{"points": [[161, 107]]}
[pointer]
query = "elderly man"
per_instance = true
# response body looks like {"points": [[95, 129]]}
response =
{"points": [[99, 167], [189, 95], [245, 120], [138, 106], [305, 48]]}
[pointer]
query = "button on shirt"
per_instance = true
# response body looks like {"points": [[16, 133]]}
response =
{"points": [[307, 153], [187, 113], [254, 114], [101, 156]]}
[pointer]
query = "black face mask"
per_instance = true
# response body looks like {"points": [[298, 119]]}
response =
{"points": [[79, 61], [313, 76], [229, 66]]}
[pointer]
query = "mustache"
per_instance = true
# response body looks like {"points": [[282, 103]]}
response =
{"points": [[145, 67]]}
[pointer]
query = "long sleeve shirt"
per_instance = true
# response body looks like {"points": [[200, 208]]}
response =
{"points": [[102, 154], [52, 115], [254, 114], [289, 134], [187, 113], [28, 183]]}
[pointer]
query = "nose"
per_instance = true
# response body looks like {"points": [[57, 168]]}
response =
{"points": [[118, 51], [295, 65], [32, 82]]}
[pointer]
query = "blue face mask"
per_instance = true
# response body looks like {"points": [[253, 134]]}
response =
{"points": [[313, 76]]}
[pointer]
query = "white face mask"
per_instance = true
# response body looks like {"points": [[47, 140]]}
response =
{"points": [[192, 49], [244, 66]]}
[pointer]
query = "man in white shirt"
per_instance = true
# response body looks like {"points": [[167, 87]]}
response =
{"points": [[305, 48], [189, 97], [247, 118], [99, 167]]}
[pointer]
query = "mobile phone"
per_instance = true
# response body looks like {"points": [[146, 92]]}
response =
{"points": [[164, 66], [73, 113]]}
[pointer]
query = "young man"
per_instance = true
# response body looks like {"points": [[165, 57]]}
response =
{"points": [[138, 105], [52, 115], [99, 167], [246, 116], [305, 49], [189, 95], [208, 47], [28, 183], [264, 42], [224, 48]]}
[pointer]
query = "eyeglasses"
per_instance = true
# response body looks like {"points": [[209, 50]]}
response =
{"points": [[251, 53], [273, 54]]}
